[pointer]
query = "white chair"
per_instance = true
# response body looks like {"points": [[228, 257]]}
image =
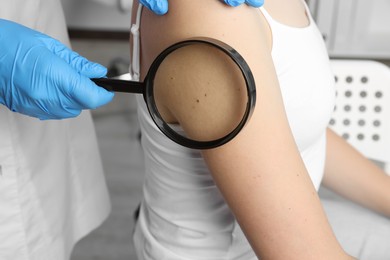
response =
{"points": [[362, 117], [362, 111]]}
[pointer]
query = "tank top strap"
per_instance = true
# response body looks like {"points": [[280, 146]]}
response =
{"points": [[267, 16], [308, 12], [271, 21]]}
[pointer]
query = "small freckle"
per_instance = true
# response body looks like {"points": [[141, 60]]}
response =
{"points": [[197, 101]]}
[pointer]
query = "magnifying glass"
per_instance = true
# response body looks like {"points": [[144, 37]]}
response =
{"points": [[200, 109]]}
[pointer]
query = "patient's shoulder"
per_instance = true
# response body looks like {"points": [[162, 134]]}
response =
{"points": [[209, 18]]}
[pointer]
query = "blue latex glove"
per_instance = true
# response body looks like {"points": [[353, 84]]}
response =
{"points": [[40, 77], [160, 7]]}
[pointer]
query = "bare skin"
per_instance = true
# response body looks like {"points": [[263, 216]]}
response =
{"points": [[207, 106], [350, 174], [260, 173]]}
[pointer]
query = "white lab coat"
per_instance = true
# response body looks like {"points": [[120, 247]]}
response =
{"points": [[52, 187]]}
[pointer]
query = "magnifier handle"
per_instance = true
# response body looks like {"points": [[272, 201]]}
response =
{"points": [[118, 85]]}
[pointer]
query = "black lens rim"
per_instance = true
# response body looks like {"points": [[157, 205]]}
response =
{"points": [[165, 128]]}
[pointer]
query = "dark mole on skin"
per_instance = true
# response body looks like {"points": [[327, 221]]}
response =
{"points": [[258, 176], [197, 101]]}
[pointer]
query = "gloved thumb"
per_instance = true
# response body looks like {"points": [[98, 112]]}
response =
{"points": [[159, 7], [255, 3], [87, 94], [234, 3]]}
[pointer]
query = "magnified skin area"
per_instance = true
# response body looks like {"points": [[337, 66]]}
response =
{"points": [[200, 88]]}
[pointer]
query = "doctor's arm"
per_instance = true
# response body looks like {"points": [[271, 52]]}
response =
{"points": [[350, 174], [40, 77], [260, 172]]}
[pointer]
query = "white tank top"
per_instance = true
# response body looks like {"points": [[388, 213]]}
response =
{"points": [[183, 215]]}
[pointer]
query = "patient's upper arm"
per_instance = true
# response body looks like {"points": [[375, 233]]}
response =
{"points": [[177, 85], [260, 172]]}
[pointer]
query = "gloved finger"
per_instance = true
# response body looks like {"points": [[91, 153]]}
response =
{"points": [[50, 109], [87, 93], [159, 7], [234, 3], [71, 90], [65, 112], [255, 3], [77, 62]]}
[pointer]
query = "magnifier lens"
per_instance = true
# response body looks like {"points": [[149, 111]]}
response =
{"points": [[200, 93]]}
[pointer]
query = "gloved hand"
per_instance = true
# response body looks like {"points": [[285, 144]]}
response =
{"points": [[160, 7], [40, 77]]}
